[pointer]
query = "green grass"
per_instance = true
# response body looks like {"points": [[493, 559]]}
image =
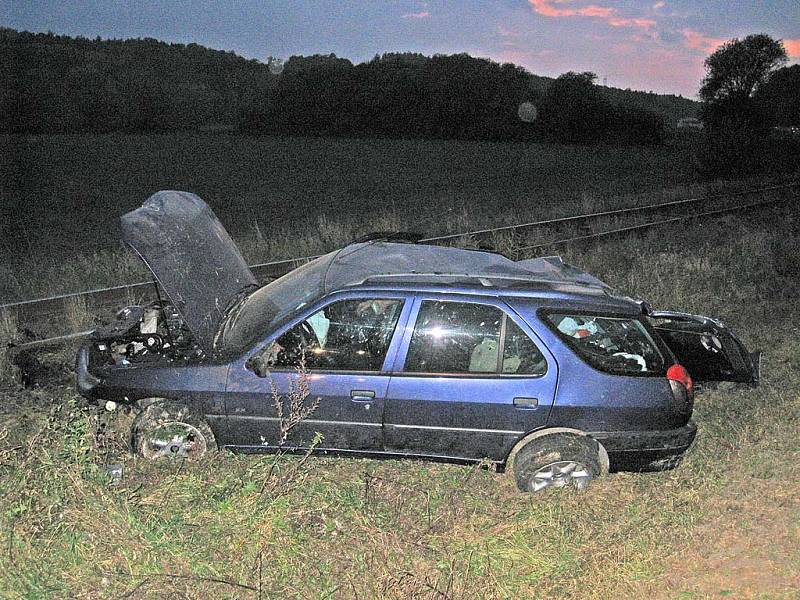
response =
{"points": [[324, 527]]}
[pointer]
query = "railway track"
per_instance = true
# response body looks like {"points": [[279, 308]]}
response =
{"points": [[548, 233]]}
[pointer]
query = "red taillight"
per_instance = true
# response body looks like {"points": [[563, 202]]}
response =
{"points": [[677, 373]]}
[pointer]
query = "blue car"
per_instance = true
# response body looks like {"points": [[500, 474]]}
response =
{"points": [[403, 350]]}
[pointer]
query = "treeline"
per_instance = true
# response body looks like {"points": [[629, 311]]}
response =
{"points": [[751, 108], [455, 97], [51, 83]]}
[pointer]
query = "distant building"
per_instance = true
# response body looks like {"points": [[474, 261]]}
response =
{"points": [[786, 130], [690, 123]]}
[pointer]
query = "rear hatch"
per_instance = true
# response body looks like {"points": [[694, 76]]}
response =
{"points": [[707, 348]]}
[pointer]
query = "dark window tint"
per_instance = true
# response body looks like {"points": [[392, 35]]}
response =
{"points": [[351, 335], [460, 337], [520, 354], [614, 345]]}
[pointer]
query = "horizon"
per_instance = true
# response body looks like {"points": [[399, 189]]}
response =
{"points": [[670, 39]]}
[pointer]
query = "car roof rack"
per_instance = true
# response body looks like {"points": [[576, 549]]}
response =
{"points": [[485, 280]]}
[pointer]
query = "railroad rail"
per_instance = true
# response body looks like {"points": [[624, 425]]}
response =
{"points": [[55, 306]]}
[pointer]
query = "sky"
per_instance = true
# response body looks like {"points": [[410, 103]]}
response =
{"points": [[658, 45]]}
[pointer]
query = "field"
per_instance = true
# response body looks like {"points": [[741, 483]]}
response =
{"points": [[726, 523], [283, 197]]}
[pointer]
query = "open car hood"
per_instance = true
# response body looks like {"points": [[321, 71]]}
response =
{"points": [[191, 255]]}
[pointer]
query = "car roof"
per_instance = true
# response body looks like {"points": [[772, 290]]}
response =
{"points": [[418, 263], [384, 266]]}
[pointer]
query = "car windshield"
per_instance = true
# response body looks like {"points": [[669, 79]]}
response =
{"points": [[272, 303]]}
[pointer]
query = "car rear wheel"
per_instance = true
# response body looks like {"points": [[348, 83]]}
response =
{"points": [[557, 461], [168, 429]]}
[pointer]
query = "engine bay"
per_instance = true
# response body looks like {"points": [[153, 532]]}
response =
{"points": [[144, 334]]}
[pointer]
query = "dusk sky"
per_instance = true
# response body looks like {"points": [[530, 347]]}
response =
{"points": [[658, 45]]}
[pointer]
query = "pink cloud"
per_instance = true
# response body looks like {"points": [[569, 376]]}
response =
{"points": [[417, 15], [699, 41], [503, 32], [546, 8], [623, 22], [792, 48], [608, 14]]}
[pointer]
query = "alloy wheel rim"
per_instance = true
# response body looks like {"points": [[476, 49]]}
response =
{"points": [[174, 440], [563, 473]]}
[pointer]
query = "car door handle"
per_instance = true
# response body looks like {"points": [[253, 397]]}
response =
{"points": [[526, 402], [362, 395]]}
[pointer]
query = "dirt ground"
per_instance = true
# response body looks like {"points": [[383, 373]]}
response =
{"points": [[748, 546]]}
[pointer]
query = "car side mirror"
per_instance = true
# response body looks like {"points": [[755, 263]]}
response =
{"points": [[257, 365], [262, 360]]}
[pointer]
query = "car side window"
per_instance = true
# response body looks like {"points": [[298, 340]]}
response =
{"points": [[348, 335], [520, 354], [462, 337]]}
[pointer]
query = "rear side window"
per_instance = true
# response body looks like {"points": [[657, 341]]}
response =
{"points": [[462, 337], [615, 345]]}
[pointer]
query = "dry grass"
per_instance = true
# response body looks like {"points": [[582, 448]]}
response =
{"points": [[76, 314], [9, 332], [263, 527], [282, 198]]}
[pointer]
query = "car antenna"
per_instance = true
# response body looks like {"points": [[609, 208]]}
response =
{"points": [[164, 315]]}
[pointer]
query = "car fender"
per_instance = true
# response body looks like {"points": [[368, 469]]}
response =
{"points": [[602, 454]]}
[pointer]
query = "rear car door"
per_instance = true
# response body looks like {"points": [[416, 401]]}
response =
{"points": [[346, 344], [706, 348], [468, 381]]}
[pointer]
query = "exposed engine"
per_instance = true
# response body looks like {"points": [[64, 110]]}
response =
{"points": [[142, 334]]}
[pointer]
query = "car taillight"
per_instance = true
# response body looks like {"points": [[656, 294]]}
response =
{"points": [[680, 382], [677, 373]]}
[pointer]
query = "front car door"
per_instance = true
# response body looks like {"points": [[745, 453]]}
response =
{"points": [[337, 405], [468, 381], [706, 348]]}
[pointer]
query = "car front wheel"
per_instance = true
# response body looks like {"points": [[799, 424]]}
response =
{"points": [[558, 460], [169, 429]]}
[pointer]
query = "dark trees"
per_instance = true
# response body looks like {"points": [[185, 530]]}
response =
{"points": [[54, 84], [736, 124]]}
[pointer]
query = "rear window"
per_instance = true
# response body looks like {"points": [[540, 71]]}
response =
{"points": [[620, 346]]}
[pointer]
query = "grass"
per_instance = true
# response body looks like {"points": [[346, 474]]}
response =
{"points": [[285, 197], [9, 332], [725, 522]]}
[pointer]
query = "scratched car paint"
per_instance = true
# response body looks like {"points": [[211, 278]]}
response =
{"points": [[404, 350]]}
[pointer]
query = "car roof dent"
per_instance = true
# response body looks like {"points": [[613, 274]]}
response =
{"points": [[383, 261]]}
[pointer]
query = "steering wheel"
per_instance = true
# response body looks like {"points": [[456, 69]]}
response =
{"points": [[300, 338]]}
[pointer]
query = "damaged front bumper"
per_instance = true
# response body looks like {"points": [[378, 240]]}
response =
{"points": [[89, 386], [646, 450]]}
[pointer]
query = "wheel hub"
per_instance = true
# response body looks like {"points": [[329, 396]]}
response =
{"points": [[174, 440], [561, 474]]}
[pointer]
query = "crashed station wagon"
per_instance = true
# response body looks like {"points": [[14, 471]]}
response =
{"points": [[403, 350]]}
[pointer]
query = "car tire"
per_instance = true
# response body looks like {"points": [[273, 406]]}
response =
{"points": [[557, 460], [171, 429]]}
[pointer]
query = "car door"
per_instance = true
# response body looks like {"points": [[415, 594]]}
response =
{"points": [[469, 380], [706, 348], [346, 344]]}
